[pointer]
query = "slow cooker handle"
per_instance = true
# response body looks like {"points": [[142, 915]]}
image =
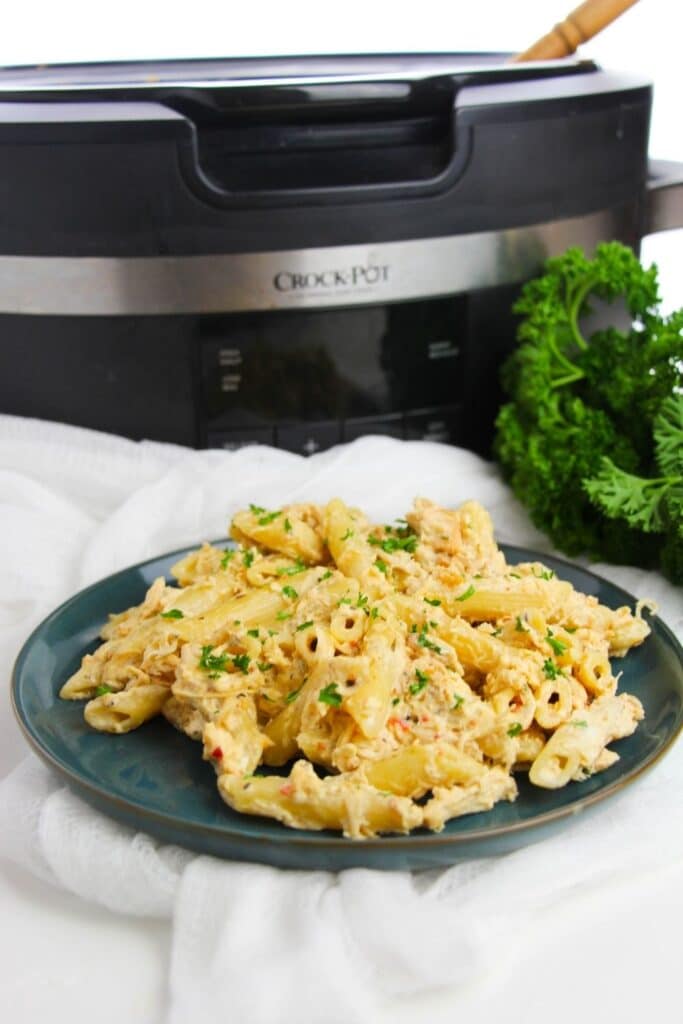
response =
{"points": [[664, 209]]}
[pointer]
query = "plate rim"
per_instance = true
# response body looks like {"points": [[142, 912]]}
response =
{"points": [[308, 838]]}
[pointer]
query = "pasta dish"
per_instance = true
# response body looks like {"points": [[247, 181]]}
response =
{"points": [[405, 672]]}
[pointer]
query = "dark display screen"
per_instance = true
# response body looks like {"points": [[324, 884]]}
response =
{"points": [[277, 376]]}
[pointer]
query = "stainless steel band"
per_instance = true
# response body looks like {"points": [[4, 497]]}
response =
{"points": [[296, 279]]}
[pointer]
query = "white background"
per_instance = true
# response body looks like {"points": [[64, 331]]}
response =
{"points": [[49, 943]]}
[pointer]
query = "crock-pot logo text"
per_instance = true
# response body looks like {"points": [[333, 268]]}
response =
{"points": [[348, 277]]}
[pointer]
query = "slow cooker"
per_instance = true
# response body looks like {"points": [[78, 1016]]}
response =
{"points": [[298, 251]]}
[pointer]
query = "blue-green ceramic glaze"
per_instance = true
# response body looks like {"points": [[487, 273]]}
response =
{"points": [[155, 780]]}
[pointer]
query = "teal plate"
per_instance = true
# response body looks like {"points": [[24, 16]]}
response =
{"points": [[154, 779]]}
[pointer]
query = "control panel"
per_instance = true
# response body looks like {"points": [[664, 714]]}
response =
{"points": [[305, 381]]}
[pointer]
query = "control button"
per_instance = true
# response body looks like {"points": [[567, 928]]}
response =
{"points": [[389, 426], [439, 424], [231, 440], [308, 438]]}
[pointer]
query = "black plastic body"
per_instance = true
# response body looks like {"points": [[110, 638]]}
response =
{"points": [[258, 168]]}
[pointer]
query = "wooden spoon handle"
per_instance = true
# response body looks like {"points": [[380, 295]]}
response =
{"points": [[582, 24]]}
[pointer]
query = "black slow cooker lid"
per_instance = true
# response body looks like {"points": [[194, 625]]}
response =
{"points": [[224, 82]]}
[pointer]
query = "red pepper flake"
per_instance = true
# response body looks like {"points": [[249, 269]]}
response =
{"points": [[399, 722], [217, 754], [424, 718], [287, 789]]}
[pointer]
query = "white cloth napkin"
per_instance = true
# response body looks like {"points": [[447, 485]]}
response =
{"points": [[249, 940]]}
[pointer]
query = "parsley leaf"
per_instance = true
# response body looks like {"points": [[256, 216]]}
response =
{"points": [[212, 662], [228, 554], [101, 690], [289, 592], [515, 729], [288, 526], [264, 666], [381, 565], [330, 695], [458, 702], [268, 518], [292, 695], [325, 576], [281, 616], [467, 593], [434, 601], [424, 641], [253, 632], [248, 558], [558, 646], [391, 544], [256, 510], [292, 570], [348, 534], [241, 661], [304, 625], [173, 613], [519, 625], [422, 680], [551, 670]]}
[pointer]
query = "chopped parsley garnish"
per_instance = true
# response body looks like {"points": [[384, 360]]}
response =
{"points": [[459, 701], [381, 565], [289, 592], [424, 641], [330, 695], [344, 600], [268, 518], [172, 613], [395, 701], [292, 695], [582, 724], [281, 616], [272, 632], [228, 554], [497, 631], [212, 662], [253, 632], [374, 612], [433, 624], [288, 526], [248, 558], [515, 729], [325, 576], [256, 510], [558, 646], [304, 625], [515, 574], [264, 666], [394, 543], [434, 601], [348, 534], [362, 601], [519, 625], [101, 690], [570, 629], [546, 574], [467, 593], [241, 661], [551, 670], [413, 628], [422, 680], [291, 570]]}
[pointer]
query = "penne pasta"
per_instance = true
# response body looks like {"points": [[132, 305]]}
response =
{"points": [[406, 661]]}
